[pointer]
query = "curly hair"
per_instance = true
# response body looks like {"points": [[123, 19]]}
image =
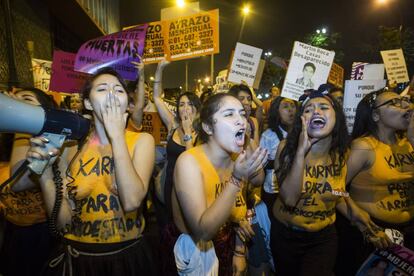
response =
{"points": [[338, 149]]}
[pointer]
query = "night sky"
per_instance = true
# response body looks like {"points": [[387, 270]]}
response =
{"points": [[275, 24]]}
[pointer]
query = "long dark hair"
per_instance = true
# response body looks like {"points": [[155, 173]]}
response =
{"points": [[273, 117], [339, 144], [194, 100], [235, 89], [364, 125]]}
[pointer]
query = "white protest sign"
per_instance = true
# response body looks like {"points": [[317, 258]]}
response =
{"points": [[41, 73], [244, 65], [367, 71], [395, 66], [309, 67], [355, 90]]}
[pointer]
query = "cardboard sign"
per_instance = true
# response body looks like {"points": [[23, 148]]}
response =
{"points": [[395, 66], [355, 90], [244, 65], [309, 67], [153, 125], [367, 71], [192, 36], [116, 50], [397, 260], [64, 78], [42, 70], [336, 76]]}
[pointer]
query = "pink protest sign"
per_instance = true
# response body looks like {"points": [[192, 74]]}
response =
{"points": [[116, 50], [64, 78]]}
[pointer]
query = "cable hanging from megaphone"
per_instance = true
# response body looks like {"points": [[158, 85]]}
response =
{"points": [[53, 124]]}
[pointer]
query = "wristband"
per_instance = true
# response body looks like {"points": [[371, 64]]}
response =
{"points": [[236, 181], [187, 137]]}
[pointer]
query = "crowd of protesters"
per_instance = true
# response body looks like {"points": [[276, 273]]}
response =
{"points": [[241, 187]]}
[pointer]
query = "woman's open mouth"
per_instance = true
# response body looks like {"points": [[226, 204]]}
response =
{"points": [[240, 137], [317, 123]]}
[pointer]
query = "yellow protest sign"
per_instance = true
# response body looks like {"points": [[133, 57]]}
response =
{"points": [[336, 75], [192, 36], [152, 124]]}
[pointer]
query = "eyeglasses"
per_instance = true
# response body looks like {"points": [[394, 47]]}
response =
{"points": [[397, 102]]}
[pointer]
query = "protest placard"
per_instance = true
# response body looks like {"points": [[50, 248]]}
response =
{"points": [[395, 66], [309, 67], [336, 76], [355, 90], [192, 36], [153, 125], [117, 50], [396, 260], [42, 70], [64, 78], [154, 43], [244, 65], [367, 71]]}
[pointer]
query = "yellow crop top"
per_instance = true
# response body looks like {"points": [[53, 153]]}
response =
{"points": [[213, 186], [386, 189], [102, 219], [323, 185]]}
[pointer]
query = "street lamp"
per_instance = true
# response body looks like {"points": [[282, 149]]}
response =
{"points": [[206, 79], [268, 54], [180, 3], [151, 78], [324, 30], [245, 12]]}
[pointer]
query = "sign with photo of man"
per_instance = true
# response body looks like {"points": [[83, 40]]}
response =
{"points": [[309, 67]]}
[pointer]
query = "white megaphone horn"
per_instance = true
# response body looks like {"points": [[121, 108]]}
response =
{"points": [[56, 125]]}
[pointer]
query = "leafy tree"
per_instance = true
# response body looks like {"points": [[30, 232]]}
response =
{"points": [[328, 41]]}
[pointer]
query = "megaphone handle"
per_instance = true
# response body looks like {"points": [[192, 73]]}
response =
{"points": [[55, 141]]}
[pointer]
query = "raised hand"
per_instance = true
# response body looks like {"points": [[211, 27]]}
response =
{"points": [[187, 123], [305, 142], [247, 166], [113, 118]]}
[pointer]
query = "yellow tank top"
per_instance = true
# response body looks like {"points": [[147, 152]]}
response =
{"points": [[102, 219], [213, 185], [23, 208], [386, 190], [323, 185]]}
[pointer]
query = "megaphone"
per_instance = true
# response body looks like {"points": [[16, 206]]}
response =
{"points": [[56, 125]]}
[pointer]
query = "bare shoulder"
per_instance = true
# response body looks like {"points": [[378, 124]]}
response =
{"points": [[362, 144]]}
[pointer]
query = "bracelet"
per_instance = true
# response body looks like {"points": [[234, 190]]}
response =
{"points": [[236, 181], [239, 253], [156, 81]]}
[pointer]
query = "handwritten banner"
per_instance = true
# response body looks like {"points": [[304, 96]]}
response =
{"points": [[244, 65], [355, 90], [64, 78], [41, 73], [116, 50], [395, 66], [192, 36]]}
